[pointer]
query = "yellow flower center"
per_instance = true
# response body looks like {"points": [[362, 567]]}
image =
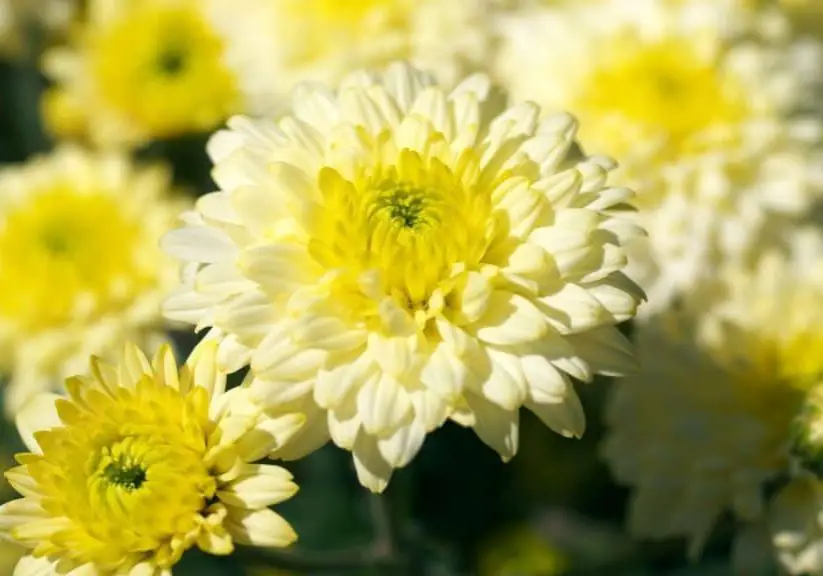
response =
{"points": [[667, 91], [65, 253], [411, 222], [162, 68], [127, 474]]}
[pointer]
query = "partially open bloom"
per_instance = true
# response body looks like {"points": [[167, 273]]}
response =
{"points": [[80, 266], [140, 463], [393, 254], [708, 421], [703, 101], [136, 70]]}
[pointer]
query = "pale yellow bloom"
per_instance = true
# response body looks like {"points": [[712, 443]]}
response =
{"points": [[706, 424], [393, 254], [143, 69], [80, 267], [701, 100], [140, 463]]}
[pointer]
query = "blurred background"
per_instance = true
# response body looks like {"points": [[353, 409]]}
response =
{"points": [[712, 197]]}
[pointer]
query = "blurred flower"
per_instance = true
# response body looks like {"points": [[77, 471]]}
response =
{"points": [[52, 16], [394, 254], [707, 423], [80, 268], [140, 463], [138, 70], [323, 40], [521, 551], [694, 97]]}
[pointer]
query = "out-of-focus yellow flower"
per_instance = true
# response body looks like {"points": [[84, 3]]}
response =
{"points": [[521, 552], [699, 100], [707, 422], [138, 70], [394, 253], [80, 269], [140, 463]]}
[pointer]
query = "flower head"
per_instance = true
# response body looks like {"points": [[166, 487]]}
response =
{"points": [[708, 421], [139, 463], [138, 70], [393, 254], [703, 102], [80, 269]]}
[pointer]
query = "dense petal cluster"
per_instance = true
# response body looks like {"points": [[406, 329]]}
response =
{"points": [[708, 422], [141, 462], [88, 223], [704, 103], [394, 254]]}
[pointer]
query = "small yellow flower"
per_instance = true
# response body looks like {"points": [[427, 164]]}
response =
{"points": [[395, 254], [708, 421], [80, 269], [141, 462], [139, 70]]}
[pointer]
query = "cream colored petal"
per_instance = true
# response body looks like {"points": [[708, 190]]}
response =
{"points": [[606, 350], [39, 413], [573, 309], [269, 434], [334, 385], [566, 416], [202, 365], [311, 437], [21, 511], [373, 471], [259, 528], [497, 427], [199, 244], [31, 566], [401, 447], [258, 486], [133, 366], [510, 319], [344, 424], [444, 372], [383, 404], [430, 408], [185, 305], [278, 358], [504, 383], [164, 365]]}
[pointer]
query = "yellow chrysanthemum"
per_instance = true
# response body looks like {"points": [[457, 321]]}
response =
{"points": [[80, 269], [708, 421], [393, 254], [145, 69], [700, 100], [140, 463]]}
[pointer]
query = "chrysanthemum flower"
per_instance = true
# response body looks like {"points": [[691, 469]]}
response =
{"points": [[140, 463], [143, 69], [707, 423], [80, 266], [702, 102], [393, 254]]}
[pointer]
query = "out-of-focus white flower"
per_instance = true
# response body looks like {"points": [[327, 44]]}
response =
{"points": [[707, 422], [703, 102]]}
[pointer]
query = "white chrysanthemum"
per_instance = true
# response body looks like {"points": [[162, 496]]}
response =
{"points": [[393, 254], [694, 97], [706, 423], [80, 266], [323, 40]]}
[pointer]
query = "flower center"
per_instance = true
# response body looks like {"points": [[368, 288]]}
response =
{"points": [[405, 204], [128, 474], [84, 243], [125, 475], [163, 69], [667, 91]]}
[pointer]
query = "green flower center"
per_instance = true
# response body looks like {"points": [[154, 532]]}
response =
{"points": [[127, 476]]}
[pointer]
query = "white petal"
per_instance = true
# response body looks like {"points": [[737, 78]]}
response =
{"points": [[497, 427], [199, 244], [383, 404], [444, 372], [259, 528], [39, 413], [504, 384], [401, 447], [573, 309], [258, 486], [566, 418], [510, 319], [344, 424], [373, 471]]}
